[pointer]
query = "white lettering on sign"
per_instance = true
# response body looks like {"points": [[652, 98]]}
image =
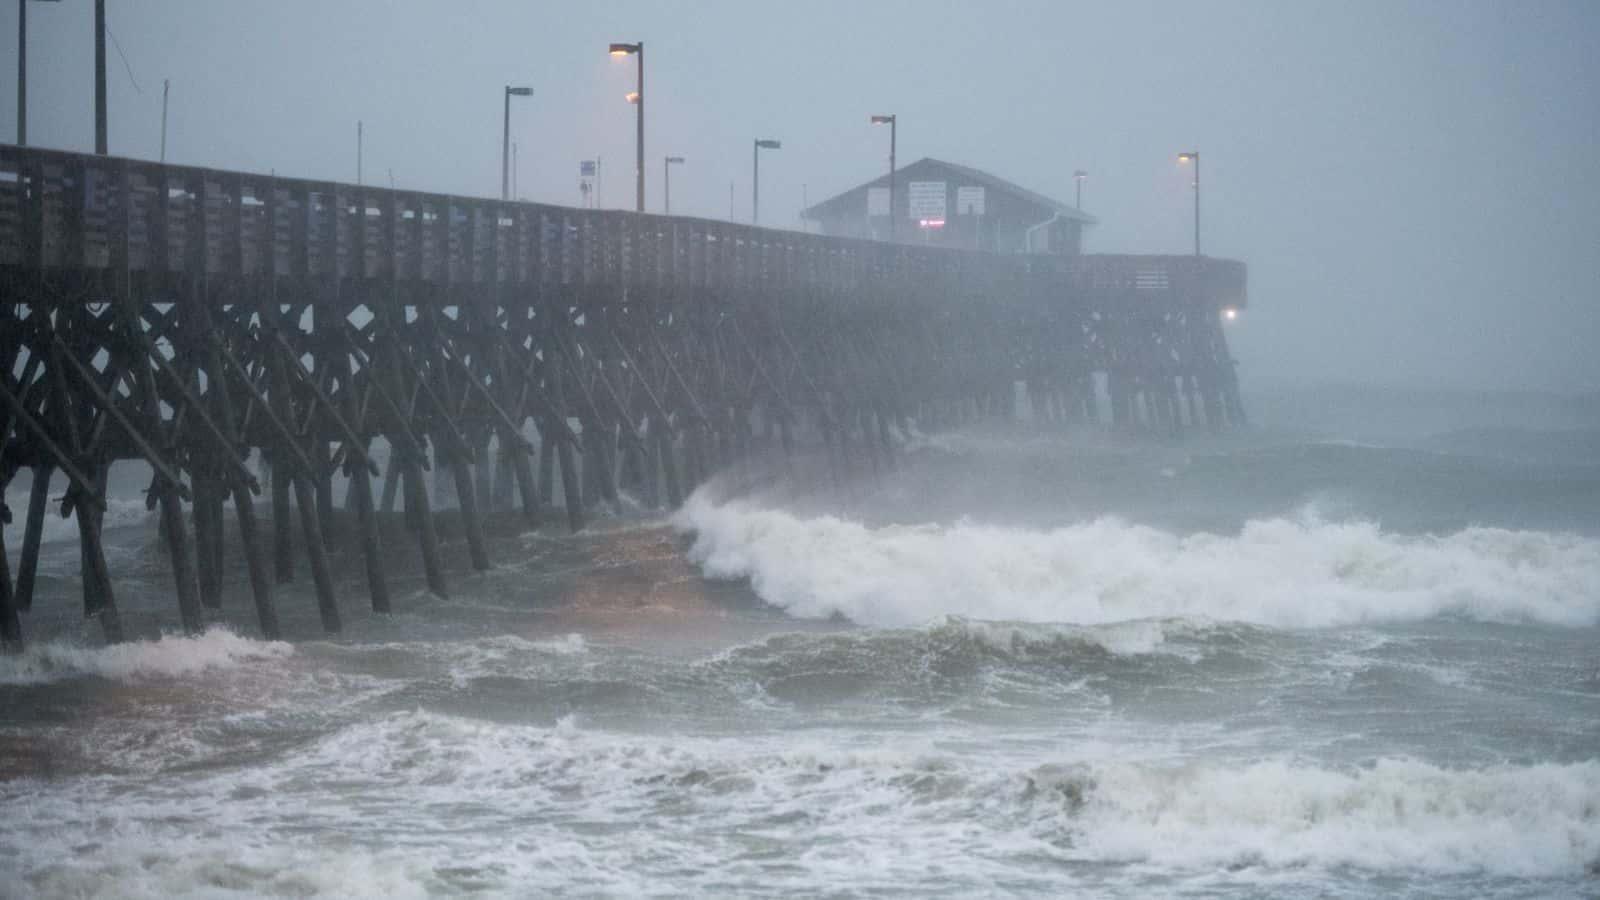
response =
{"points": [[926, 200], [969, 201]]}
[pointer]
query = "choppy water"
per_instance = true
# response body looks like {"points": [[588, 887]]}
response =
{"points": [[1349, 660]]}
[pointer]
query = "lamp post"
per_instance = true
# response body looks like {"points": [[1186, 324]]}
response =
{"points": [[1080, 176], [505, 139], [1194, 158], [891, 122], [755, 177], [666, 179], [637, 99]]}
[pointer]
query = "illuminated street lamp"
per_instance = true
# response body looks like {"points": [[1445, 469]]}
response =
{"points": [[666, 179], [636, 97], [1194, 158], [755, 178], [1080, 177], [889, 121], [505, 140]]}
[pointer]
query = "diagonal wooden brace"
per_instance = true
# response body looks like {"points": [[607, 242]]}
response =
{"points": [[107, 403], [306, 378], [297, 455], [62, 460], [211, 426]]}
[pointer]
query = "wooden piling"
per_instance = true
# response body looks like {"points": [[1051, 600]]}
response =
{"points": [[32, 534], [10, 623]]}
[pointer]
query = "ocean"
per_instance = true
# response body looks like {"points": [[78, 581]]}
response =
{"points": [[1350, 652]]}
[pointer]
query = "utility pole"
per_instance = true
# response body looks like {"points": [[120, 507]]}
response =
{"points": [[359, 154], [100, 77], [166, 86], [22, 73]]}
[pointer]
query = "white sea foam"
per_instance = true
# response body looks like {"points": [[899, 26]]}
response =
{"points": [[1127, 638], [1275, 572], [187, 867], [513, 809], [571, 644], [1524, 821], [167, 656]]}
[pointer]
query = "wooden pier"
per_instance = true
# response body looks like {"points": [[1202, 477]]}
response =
{"points": [[194, 318]]}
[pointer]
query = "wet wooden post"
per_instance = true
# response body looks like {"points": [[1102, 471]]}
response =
{"points": [[85, 498], [483, 479], [460, 459], [671, 471], [10, 623], [366, 516], [650, 462], [245, 514], [280, 366], [547, 462], [391, 481], [243, 500], [84, 501], [360, 476], [282, 527], [451, 447], [326, 321], [572, 493], [32, 535], [193, 334], [268, 309], [168, 492], [513, 447], [390, 337]]}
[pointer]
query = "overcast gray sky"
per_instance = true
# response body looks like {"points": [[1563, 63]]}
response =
{"points": [[1416, 186]]}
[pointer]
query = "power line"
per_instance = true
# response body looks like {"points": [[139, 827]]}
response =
{"points": [[125, 64]]}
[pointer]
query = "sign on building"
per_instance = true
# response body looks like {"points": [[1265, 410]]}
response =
{"points": [[877, 201], [926, 200], [969, 201]]}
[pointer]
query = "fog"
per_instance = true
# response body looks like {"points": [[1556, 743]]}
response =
{"points": [[1415, 186]]}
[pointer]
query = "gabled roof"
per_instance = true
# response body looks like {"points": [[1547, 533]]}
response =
{"points": [[853, 199]]}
